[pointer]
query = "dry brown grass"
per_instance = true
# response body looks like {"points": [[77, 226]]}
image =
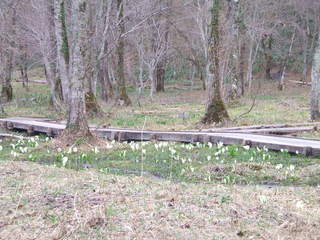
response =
{"points": [[45, 202]]}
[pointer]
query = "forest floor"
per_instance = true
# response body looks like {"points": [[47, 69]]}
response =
{"points": [[159, 190], [179, 108]]}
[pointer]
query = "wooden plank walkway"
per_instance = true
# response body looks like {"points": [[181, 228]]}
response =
{"points": [[303, 146]]}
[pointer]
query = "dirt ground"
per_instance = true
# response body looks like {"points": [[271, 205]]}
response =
{"points": [[50, 203]]}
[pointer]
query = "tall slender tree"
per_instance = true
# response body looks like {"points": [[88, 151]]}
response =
{"points": [[63, 53], [315, 90], [122, 95]]}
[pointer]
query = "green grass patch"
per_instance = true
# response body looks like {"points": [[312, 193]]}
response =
{"points": [[177, 162]]}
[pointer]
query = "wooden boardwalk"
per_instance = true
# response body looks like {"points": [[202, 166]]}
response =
{"points": [[293, 145]]}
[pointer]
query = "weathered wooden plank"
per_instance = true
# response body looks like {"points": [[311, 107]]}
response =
{"points": [[253, 127], [277, 131], [293, 145]]}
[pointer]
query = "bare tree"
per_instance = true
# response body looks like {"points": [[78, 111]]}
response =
{"points": [[315, 91]]}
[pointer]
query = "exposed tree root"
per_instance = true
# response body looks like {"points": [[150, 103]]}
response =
{"points": [[82, 140]]}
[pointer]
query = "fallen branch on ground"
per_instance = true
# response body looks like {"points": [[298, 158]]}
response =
{"points": [[6, 135], [300, 82]]}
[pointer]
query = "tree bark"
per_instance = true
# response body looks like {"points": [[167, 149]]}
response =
{"points": [[267, 47], [315, 89], [106, 87], [122, 96], [216, 111], [24, 76], [242, 45], [6, 92], [77, 123], [63, 54], [53, 82], [160, 76]]}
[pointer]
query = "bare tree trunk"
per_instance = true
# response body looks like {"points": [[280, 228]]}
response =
{"points": [[63, 54], [250, 66], [216, 111], [23, 67], [242, 63], [202, 79], [24, 76], [242, 45], [92, 106], [77, 122], [53, 84], [281, 82], [305, 59], [106, 86], [315, 89], [267, 47], [152, 80], [6, 92], [160, 76], [122, 96]]}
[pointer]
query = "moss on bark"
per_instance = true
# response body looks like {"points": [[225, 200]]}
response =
{"points": [[216, 112]]}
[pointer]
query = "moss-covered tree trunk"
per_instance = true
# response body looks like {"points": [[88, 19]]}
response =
{"points": [[63, 53], [49, 53], [122, 97], [216, 111], [77, 124]]}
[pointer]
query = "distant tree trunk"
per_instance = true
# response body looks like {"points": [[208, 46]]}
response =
{"points": [[216, 111], [106, 87], [305, 58], [242, 64], [92, 105], [152, 79], [160, 76], [6, 92], [122, 96], [63, 54], [24, 76], [202, 79], [267, 47], [23, 67], [242, 45], [77, 123], [285, 62], [53, 82], [315, 89]]}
